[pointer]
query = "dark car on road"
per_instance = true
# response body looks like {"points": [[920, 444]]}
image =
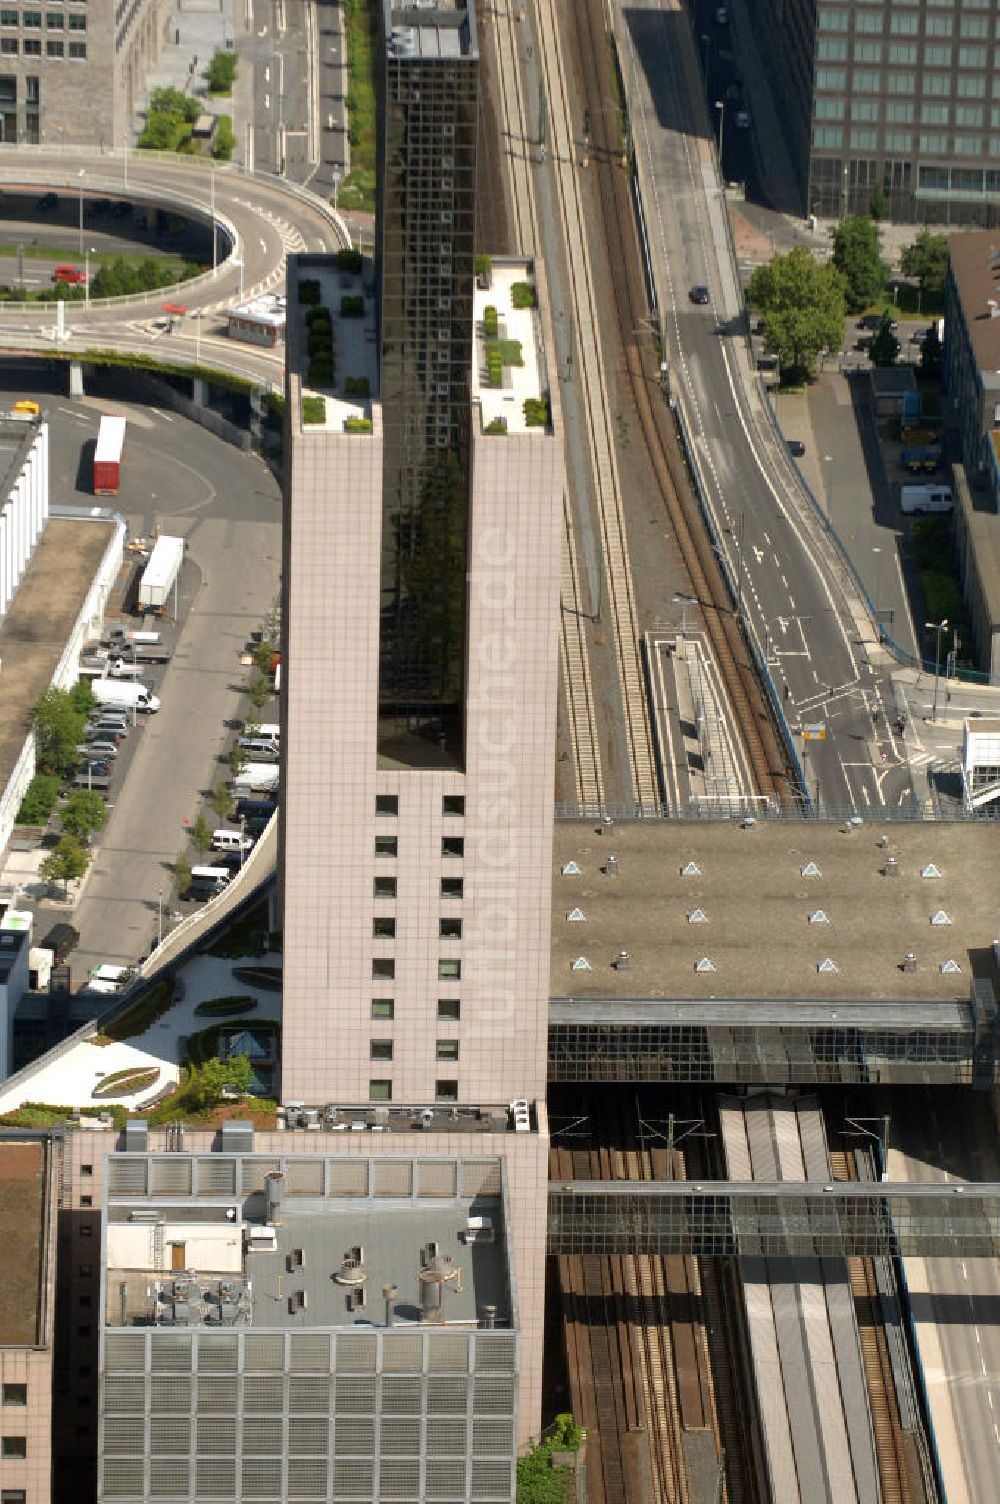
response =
{"points": [[700, 295], [873, 321], [796, 448], [61, 939]]}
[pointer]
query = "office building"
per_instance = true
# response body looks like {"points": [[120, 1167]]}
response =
{"points": [[306, 1327], [890, 102], [27, 1294], [74, 73]]}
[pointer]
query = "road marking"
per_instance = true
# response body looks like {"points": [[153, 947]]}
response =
{"points": [[165, 416]]}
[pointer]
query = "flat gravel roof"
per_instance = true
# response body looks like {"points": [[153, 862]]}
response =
{"points": [[22, 1277], [34, 633], [756, 934]]}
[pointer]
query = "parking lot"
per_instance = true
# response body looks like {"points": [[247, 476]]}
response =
{"points": [[178, 479]]}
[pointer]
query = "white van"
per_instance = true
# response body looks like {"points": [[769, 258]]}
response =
{"points": [[210, 879], [230, 840], [269, 732], [916, 500]]}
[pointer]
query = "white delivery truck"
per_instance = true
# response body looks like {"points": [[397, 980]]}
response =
{"points": [[256, 778], [160, 574], [916, 500], [137, 697]]}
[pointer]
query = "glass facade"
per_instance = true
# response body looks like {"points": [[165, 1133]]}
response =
{"points": [[426, 223]]}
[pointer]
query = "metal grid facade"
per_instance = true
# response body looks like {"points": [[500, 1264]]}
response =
{"points": [[775, 1221], [761, 1054]]}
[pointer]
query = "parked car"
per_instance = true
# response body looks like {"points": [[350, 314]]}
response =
{"points": [[72, 275], [873, 321], [700, 295], [47, 201], [99, 747], [99, 769], [61, 939], [743, 120], [796, 448]]}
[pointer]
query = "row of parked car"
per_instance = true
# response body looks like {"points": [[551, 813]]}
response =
{"points": [[253, 809]]}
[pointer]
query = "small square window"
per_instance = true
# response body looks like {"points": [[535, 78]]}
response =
{"points": [[386, 845], [14, 1446], [449, 969], [446, 1091], [447, 1049], [449, 1008], [452, 846], [383, 1007], [383, 928], [385, 887], [380, 1091], [86, 1169], [54, 49], [381, 1049], [86, 1200], [387, 804], [15, 1394], [450, 929], [19, 1495], [452, 887], [383, 968], [453, 804]]}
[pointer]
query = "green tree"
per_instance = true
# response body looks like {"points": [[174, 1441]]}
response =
{"points": [[260, 691], [857, 255], [208, 1082], [802, 304], [201, 834], [221, 72], [930, 350], [174, 102], [262, 654], [876, 204], [162, 132], [222, 801], [81, 697], [224, 140], [84, 814], [58, 726], [237, 760], [39, 799], [885, 347], [67, 861], [927, 260], [182, 872]]}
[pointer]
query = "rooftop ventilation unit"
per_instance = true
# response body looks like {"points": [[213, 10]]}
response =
{"points": [[274, 1191], [819, 916], [949, 968], [940, 917], [690, 869], [891, 868], [581, 964], [810, 870], [697, 916], [704, 964], [623, 961], [909, 961], [571, 869], [576, 916], [930, 870], [611, 867], [827, 965]]}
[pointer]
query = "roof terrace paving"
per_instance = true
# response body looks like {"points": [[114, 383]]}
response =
{"points": [[313, 1276], [757, 932]]}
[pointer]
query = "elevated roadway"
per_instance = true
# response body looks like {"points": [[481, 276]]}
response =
{"points": [[797, 597], [260, 220]]}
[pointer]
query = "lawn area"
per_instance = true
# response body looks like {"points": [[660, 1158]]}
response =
{"points": [[357, 191]]}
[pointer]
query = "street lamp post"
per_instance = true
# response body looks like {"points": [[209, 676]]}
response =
{"points": [[81, 175], [720, 105], [159, 918], [937, 627], [336, 188], [215, 257], [90, 251], [238, 261]]}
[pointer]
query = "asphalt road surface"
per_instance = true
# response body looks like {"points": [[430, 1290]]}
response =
{"points": [[226, 504], [833, 680]]}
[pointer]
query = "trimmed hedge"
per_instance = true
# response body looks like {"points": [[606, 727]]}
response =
{"points": [[496, 426], [536, 412], [491, 322], [126, 1083], [266, 977], [224, 1007], [309, 292], [356, 386], [314, 409], [352, 306], [523, 295], [358, 425], [349, 260]]}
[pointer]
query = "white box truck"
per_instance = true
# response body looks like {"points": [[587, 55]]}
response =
{"points": [[137, 697], [160, 574], [255, 778], [915, 500]]}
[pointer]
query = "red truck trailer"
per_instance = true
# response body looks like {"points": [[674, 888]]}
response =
{"points": [[108, 456]]}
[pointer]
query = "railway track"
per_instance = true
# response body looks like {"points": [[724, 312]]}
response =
{"points": [[641, 365], [890, 1439], [636, 1345]]}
